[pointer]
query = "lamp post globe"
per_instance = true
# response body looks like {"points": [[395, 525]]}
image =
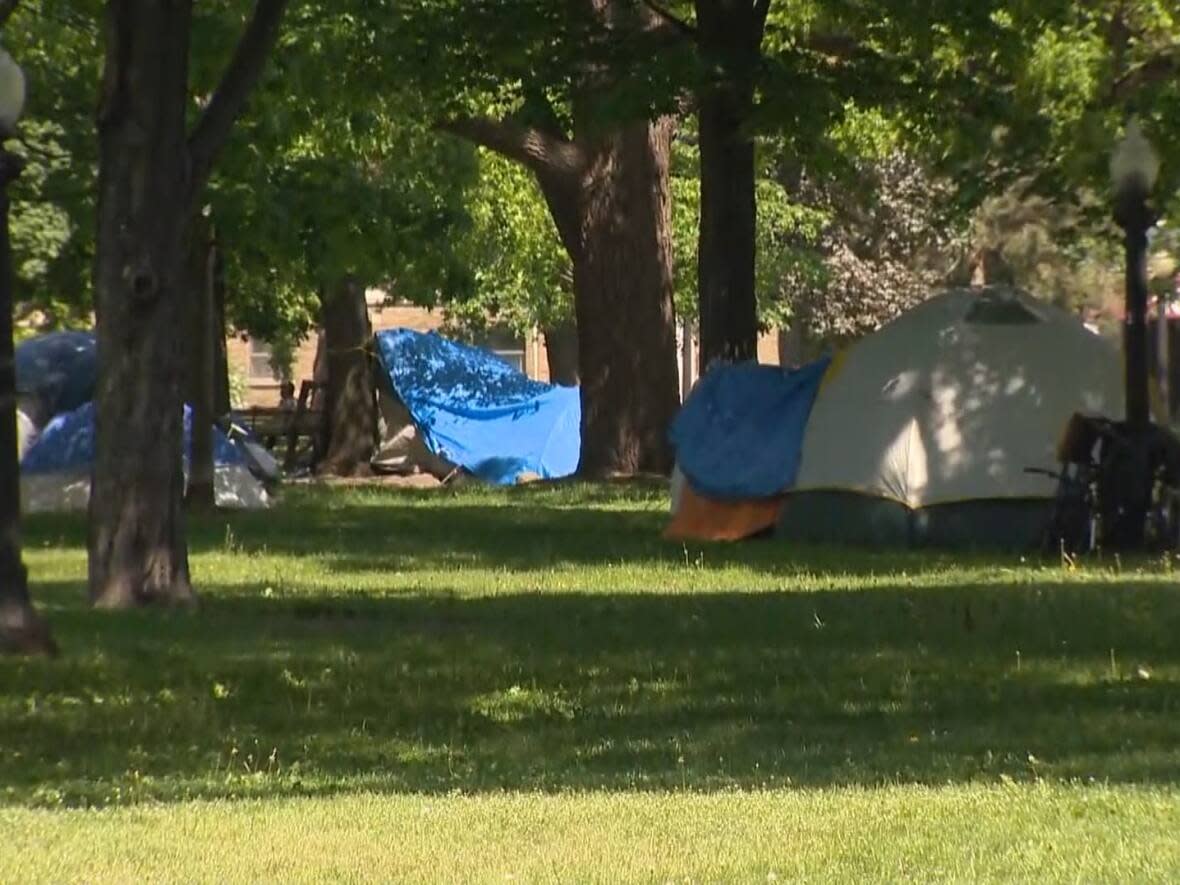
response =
{"points": [[1134, 163]]}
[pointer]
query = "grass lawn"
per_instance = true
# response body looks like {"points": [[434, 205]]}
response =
{"points": [[483, 684]]}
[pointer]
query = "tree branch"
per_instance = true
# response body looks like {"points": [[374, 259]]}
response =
{"points": [[838, 46], [678, 25], [538, 110], [543, 153], [1158, 67], [239, 79], [7, 8]]}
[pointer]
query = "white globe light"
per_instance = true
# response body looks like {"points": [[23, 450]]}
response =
{"points": [[1134, 161]]}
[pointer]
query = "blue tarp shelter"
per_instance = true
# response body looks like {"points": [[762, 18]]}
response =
{"points": [[67, 444], [55, 472], [478, 412], [740, 433], [59, 370]]}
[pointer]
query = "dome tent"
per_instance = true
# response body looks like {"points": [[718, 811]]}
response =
{"points": [[55, 472], [923, 432], [55, 373], [58, 369]]}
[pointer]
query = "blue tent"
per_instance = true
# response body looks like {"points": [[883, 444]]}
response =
{"points": [[475, 410], [59, 369], [67, 444], [740, 434]]}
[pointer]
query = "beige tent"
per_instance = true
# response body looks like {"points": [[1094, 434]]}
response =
{"points": [[925, 430]]}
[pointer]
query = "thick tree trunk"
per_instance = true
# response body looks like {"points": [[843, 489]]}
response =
{"points": [[21, 630], [623, 302], [151, 170], [730, 36], [138, 551], [726, 252], [607, 190], [202, 348], [349, 402], [561, 350]]}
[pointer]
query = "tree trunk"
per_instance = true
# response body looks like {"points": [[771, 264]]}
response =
{"points": [[21, 630], [623, 302], [561, 350], [137, 543], [607, 190], [349, 401], [730, 39], [201, 387], [151, 171]]}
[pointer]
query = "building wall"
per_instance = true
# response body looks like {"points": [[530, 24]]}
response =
{"points": [[688, 356]]}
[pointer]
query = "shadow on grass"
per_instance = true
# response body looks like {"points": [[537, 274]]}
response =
{"points": [[539, 535], [261, 696], [373, 529]]}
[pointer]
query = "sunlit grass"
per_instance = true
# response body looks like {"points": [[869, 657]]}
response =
{"points": [[534, 675], [1028, 834]]}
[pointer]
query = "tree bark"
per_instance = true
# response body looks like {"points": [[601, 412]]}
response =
{"points": [[561, 350], [623, 303], [150, 176], [138, 552], [202, 347], [350, 410], [729, 36], [21, 630], [609, 199]]}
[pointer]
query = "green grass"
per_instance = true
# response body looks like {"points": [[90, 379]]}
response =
{"points": [[479, 683]]}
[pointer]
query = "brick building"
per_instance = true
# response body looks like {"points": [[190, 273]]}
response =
{"points": [[250, 359]]}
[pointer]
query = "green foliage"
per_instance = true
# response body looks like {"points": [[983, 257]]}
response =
{"points": [[329, 173], [56, 42], [239, 388], [1071, 74], [521, 275], [1049, 249], [880, 234], [332, 177]]}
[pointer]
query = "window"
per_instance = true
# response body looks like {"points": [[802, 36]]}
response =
{"points": [[514, 358], [262, 368], [506, 346]]}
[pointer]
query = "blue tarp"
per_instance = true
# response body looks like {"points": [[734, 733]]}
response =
{"points": [[67, 444], [478, 412], [60, 369], [740, 434]]}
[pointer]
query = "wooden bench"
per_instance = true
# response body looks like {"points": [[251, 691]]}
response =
{"points": [[271, 424]]}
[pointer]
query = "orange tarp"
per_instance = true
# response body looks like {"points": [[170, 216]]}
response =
{"points": [[705, 519]]}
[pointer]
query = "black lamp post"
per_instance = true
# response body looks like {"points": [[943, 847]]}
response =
{"points": [[1133, 169], [20, 630]]}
